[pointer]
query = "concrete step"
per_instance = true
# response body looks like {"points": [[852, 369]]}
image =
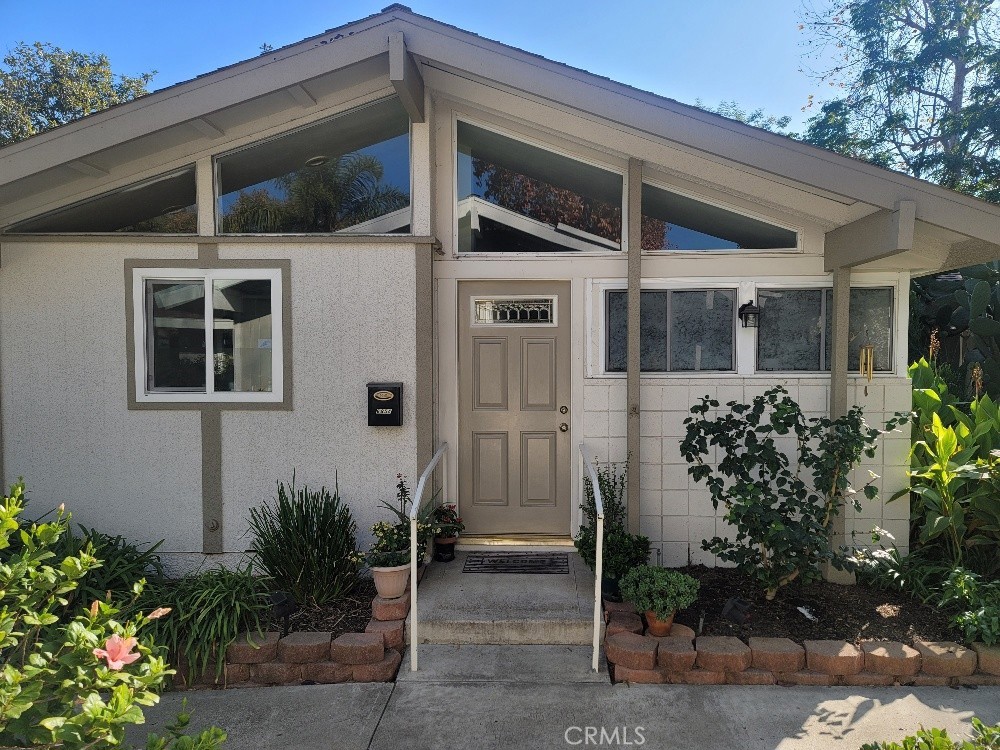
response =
{"points": [[492, 663], [505, 609]]}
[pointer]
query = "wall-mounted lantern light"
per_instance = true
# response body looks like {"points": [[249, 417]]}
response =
{"points": [[749, 314]]}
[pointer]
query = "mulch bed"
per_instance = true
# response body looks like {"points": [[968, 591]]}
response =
{"points": [[348, 615], [849, 613]]}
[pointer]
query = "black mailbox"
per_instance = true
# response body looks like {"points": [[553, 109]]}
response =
{"points": [[385, 404]]}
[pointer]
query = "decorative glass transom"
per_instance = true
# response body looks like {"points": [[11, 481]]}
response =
{"points": [[514, 311]]}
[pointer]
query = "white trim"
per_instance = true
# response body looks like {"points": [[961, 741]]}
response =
{"points": [[144, 395]]}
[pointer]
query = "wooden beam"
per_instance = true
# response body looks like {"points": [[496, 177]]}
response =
{"points": [[405, 77], [88, 169], [302, 97], [206, 128], [872, 237], [633, 240]]}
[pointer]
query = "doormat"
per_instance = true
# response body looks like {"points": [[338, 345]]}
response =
{"points": [[516, 562]]}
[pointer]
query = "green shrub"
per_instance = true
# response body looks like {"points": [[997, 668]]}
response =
{"points": [[123, 563], [306, 542], [659, 590], [983, 738], [978, 605], [781, 509], [71, 681], [622, 550], [210, 609]]}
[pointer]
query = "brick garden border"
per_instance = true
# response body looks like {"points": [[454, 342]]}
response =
{"points": [[314, 658], [683, 658]]}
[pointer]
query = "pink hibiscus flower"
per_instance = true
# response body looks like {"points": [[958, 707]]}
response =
{"points": [[118, 651]]}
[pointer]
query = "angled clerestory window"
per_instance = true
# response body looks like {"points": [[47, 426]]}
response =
{"points": [[161, 205], [516, 197], [349, 174], [671, 221]]}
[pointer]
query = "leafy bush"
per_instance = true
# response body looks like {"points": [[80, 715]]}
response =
{"points": [[210, 609], [306, 542], [659, 590], [983, 738], [123, 563], [622, 550], [71, 682], [978, 604], [781, 510]]}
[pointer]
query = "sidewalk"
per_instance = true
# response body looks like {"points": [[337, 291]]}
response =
{"points": [[442, 709]]}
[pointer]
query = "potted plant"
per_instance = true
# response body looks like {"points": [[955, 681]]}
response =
{"points": [[659, 593], [447, 526], [389, 559]]}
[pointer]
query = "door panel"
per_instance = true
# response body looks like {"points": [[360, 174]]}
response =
{"points": [[538, 374], [490, 373], [514, 451]]}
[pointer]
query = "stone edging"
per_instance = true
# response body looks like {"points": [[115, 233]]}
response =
{"points": [[634, 657], [303, 657]]}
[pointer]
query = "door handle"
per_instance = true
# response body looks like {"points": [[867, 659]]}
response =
{"points": [[564, 427]]}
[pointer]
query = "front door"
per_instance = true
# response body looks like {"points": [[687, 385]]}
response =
{"points": [[514, 393]]}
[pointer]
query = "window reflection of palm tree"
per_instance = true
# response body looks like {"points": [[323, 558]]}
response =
{"points": [[345, 191]]}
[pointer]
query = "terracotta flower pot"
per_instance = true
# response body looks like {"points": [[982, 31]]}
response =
{"points": [[391, 582], [657, 626]]}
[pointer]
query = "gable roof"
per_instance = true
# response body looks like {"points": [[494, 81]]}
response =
{"points": [[188, 107]]}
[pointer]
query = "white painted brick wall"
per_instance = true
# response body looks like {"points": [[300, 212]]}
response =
{"points": [[676, 513]]}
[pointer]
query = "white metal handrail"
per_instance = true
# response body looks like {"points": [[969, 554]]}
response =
{"points": [[442, 457], [598, 556]]}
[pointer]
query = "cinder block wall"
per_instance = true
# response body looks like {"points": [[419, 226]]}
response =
{"points": [[676, 513]]}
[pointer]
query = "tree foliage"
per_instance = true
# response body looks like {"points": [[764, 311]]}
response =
{"points": [[43, 86], [917, 85]]}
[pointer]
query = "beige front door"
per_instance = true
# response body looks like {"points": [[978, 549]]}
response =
{"points": [[514, 398]]}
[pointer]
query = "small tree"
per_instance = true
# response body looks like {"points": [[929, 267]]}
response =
{"points": [[781, 508], [71, 682]]}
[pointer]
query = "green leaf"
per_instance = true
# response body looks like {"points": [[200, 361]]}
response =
{"points": [[985, 327]]}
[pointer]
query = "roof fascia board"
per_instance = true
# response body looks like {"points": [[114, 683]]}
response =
{"points": [[702, 131], [185, 102]]}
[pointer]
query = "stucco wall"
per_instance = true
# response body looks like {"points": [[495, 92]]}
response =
{"points": [[353, 322], [66, 427], [68, 431], [675, 512]]}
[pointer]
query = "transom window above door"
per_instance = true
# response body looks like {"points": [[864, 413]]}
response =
{"points": [[516, 197]]}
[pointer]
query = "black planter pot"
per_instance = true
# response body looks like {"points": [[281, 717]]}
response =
{"points": [[610, 590], [444, 552]]}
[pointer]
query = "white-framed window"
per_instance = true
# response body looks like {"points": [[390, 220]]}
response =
{"points": [[794, 331], [206, 335], [682, 330]]}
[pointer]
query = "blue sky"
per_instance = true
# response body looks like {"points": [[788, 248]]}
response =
{"points": [[710, 49]]}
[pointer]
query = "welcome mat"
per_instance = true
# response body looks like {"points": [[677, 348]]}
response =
{"points": [[516, 562]]}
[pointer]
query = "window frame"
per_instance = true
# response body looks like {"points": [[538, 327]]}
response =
{"points": [[140, 333], [517, 135], [825, 308], [668, 188], [245, 146], [692, 285]]}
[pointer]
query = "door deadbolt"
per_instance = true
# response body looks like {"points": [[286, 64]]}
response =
{"points": [[563, 409], [564, 427]]}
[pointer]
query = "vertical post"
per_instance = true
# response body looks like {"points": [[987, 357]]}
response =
{"points": [[633, 247], [413, 591], [204, 180], [839, 312], [598, 577]]}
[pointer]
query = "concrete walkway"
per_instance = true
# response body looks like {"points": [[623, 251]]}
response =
{"points": [[446, 707]]}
